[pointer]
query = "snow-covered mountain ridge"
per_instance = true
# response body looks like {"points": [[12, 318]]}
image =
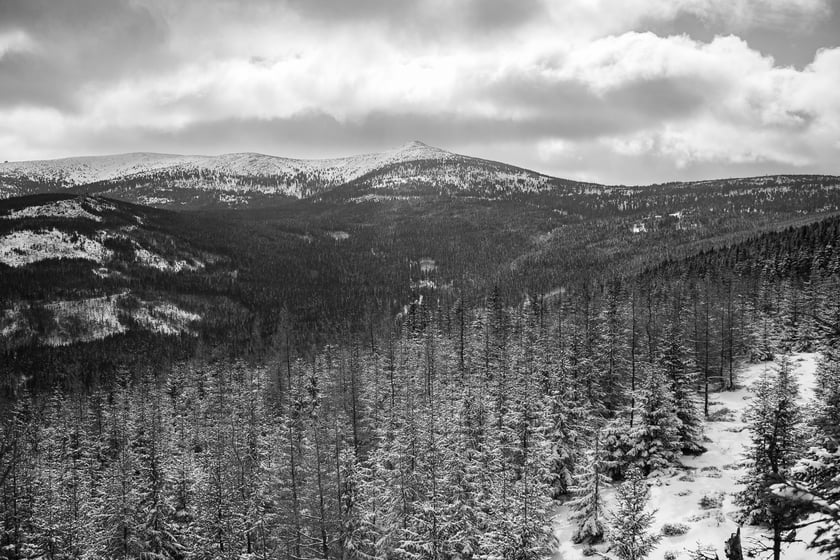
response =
{"points": [[245, 179], [414, 170], [92, 169]]}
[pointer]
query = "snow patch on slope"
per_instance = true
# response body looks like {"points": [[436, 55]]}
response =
{"points": [[23, 247], [20, 248], [165, 318], [66, 209], [83, 320], [339, 235], [154, 260], [70, 321]]}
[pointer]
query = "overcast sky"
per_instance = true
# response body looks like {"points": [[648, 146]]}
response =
{"points": [[615, 91]]}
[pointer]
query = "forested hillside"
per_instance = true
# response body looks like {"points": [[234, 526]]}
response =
{"points": [[451, 432], [293, 277], [244, 316]]}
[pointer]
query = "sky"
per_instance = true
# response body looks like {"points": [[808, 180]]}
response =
{"points": [[613, 91]]}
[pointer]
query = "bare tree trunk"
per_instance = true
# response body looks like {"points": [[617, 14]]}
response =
{"points": [[732, 548]]}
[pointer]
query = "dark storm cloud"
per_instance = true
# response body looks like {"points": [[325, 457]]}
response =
{"points": [[74, 43]]}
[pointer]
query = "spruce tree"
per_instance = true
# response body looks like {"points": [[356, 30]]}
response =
{"points": [[814, 482], [827, 397], [615, 451], [588, 504], [630, 522], [776, 438], [654, 439], [814, 487], [674, 363]]}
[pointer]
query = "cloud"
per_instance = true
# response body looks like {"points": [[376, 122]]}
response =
{"points": [[574, 88], [70, 44]]}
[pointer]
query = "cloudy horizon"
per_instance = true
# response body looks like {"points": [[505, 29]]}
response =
{"points": [[630, 92]]}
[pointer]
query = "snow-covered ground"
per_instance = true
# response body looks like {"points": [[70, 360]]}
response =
{"points": [[165, 318], [20, 248], [339, 235], [84, 320], [23, 247], [67, 209], [153, 260], [715, 474], [83, 170]]}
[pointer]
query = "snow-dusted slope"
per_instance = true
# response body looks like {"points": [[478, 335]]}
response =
{"points": [[76, 171], [716, 474], [73, 208], [85, 320], [20, 248], [77, 270], [90, 169], [237, 180]]}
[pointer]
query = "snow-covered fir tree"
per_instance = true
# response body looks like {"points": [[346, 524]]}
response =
{"points": [[616, 448], [814, 487], [674, 361], [654, 439], [587, 506], [762, 338], [826, 417], [775, 424], [630, 522], [814, 482]]}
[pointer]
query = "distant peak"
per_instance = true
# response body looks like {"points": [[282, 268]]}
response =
{"points": [[415, 144]]}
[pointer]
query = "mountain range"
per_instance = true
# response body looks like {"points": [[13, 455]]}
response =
{"points": [[237, 180], [90, 249], [414, 170]]}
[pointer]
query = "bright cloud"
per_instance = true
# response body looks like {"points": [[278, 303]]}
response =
{"points": [[582, 89]]}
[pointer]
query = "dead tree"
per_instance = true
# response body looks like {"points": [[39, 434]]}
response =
{"points": [[733, 549]]}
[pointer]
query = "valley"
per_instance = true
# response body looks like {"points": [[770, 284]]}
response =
{"points": [[262, 349]]}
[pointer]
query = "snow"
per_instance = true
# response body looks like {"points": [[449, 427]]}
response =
{"points": [[154, 200], [85, 320], [84, 170], [20, 248], [715, 473], [339, 235], [153, 260], [427, 265], [90, 169], [421, 284], [23, 247], [68, 209], [165, 318]]}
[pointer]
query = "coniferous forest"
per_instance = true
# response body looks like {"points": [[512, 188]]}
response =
{"points": [[454, 428], [419, 280]]}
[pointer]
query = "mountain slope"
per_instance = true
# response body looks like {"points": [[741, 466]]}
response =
{"points": [[237, 180], [80, 269], [93, 169], [412, 171]]}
